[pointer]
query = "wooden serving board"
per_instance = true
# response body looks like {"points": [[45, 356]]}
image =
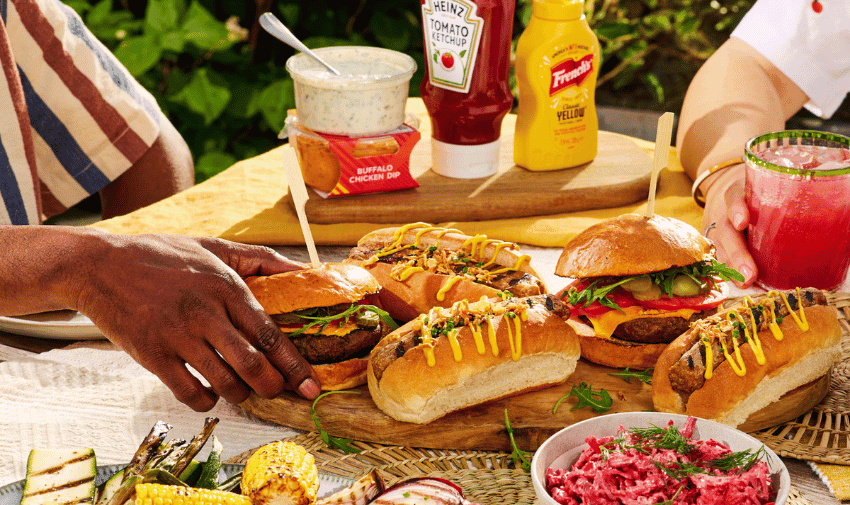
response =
{"points": [[482, 427], [619, 175]]}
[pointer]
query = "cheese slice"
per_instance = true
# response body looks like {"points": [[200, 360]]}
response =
{"points": [[605, 324], [332, 329]]}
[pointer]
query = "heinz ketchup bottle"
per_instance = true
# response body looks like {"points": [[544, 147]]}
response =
{"points": [[466, 89]]}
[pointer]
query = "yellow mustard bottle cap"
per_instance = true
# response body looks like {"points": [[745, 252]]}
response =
{"points": [[558, 9]]}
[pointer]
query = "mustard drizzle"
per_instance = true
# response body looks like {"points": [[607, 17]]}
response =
{"points": [[738, 365], [518, 314], [451, 281]]}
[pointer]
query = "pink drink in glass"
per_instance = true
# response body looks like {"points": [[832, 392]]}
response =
{"points": [[798, 197]]}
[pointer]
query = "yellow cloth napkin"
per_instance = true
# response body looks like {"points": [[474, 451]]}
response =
{"points": [[249, 203], [836, 478]]}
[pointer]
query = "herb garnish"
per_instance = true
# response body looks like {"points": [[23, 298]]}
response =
{"points": [[702, 273], [644, 376], [521, 458], [600, 401], [670, 438], [352, 312], [343, 444]]}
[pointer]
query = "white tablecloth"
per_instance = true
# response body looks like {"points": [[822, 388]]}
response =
{"points": [[93, 395]]}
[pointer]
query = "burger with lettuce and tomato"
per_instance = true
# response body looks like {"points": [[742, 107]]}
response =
{"points": [[638, 283], [330, 315]]}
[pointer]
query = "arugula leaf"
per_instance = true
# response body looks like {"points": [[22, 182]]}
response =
{"points": [[644, 376], [702, 273], [343, 444], [594, 293], [521, 458], [353, 311], [600, 401]]}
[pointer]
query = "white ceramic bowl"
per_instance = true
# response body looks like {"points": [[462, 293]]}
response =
{"points": [[368, 98], [563, 448]]}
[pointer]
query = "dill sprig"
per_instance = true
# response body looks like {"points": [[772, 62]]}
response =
{"points": [[670, 438]]}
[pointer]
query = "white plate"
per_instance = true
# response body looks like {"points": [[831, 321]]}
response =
{"points": [[60, 324], [328, 483]]}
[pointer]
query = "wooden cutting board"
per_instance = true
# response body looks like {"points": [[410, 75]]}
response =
{"points": [[483, 427], [619, 175]]}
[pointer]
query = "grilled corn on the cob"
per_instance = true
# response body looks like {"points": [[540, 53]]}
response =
{"points": [[281, 473], [163, 494]]}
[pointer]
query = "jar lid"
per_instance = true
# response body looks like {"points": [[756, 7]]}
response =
{"points": [[558, 9]]}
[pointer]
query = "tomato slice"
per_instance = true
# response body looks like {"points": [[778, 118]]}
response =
{"points": [[624, 299]]}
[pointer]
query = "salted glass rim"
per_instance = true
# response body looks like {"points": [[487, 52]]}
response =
{"points": [[796, 137]]}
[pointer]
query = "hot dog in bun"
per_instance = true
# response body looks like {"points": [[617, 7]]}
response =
{"points": [[470, 353], [421, 266], [639, 282], [743, 359], [330, 316]]}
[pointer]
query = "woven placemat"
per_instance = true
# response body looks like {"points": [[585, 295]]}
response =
{"points": [[822, 434], [488, 478]]}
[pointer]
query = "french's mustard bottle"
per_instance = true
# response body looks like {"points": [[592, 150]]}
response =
{"points": [[557, 61]]}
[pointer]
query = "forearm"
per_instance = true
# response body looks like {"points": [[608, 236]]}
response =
{"points": [[165, 169], [41, 266], [736, 95]]}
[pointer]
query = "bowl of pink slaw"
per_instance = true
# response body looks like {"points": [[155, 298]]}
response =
{"points": [[652, 457]]}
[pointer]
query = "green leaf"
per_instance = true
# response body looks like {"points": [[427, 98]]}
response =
{"points": [[521, 459], [289, 13], [343, 444], [204, 97], [390, 32], [80, 6], [274, 101], [139, 54], [204, 30], [99, 14], [611, 31], [599, 401], [660, 21], [174, 41], [163, 15], [655, 85], [211, 163], [644, 376], [686, 23]]}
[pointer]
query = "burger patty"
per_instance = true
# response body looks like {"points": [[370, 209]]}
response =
{"points": [[518, 283], [657, 330], [319, 349], [688, 373]]}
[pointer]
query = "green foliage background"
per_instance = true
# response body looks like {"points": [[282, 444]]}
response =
{"points": [[221, 79]]}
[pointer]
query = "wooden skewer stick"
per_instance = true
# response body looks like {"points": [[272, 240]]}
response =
{"points": [[298, 190], [662, 154]]}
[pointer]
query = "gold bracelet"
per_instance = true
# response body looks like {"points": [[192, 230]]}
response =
{"points": [[695, 191]]}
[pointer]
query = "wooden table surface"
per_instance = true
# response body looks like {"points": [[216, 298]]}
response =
{"points": [[802, 476]]}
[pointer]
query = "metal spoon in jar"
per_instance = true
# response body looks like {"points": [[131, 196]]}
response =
{"points": [[276, 27]]}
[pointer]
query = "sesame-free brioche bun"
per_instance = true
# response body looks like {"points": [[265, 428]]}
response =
{"points": [[330, 284], [326, 286], [633, 244]]}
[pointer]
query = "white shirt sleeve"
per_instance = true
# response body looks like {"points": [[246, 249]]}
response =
{"points": [[811, 48]]}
